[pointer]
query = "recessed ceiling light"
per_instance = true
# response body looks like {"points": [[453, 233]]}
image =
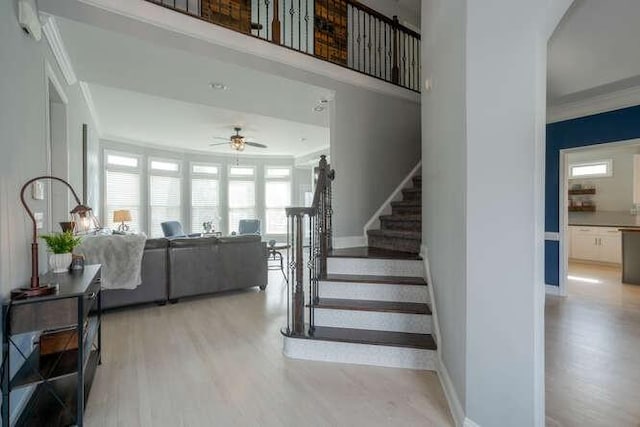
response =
{"points": [[218, 86]]}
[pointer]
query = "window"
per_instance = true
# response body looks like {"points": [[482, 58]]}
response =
{"points": [[277, 198], [122, 188], [598, 169], [165, 195], [205, 197], [242, 195]]}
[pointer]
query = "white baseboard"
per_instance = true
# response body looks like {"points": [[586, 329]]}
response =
{"points": [[349, 242], [457, 411], [552, 290], [385, 208]]}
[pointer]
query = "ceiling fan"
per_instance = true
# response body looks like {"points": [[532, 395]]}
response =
{"points": [[237, 141]]}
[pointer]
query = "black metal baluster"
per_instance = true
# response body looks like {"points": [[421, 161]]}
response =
{"points": [[284, 21], [258, 20]]}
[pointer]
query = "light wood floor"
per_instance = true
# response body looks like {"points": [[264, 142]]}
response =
{"points": [[217, 361], [593, 351]]}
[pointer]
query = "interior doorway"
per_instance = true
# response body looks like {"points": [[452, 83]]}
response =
{"points": [[600, 195]]}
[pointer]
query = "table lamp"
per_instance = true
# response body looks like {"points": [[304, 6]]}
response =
{"points": [[122, 216], [84, 222]]}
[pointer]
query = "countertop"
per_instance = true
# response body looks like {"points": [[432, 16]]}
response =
{"points": [[604, 219]]}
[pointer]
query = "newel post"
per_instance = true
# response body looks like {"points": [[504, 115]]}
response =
{"points": [[297, 311]]}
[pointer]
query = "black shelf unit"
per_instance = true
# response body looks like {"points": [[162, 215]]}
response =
{"points": [[61, 381]]}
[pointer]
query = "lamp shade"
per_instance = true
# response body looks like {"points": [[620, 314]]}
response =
{"points": [[123, 215], [84, 219]]}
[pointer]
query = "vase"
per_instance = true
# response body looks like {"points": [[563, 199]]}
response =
{"points": [[59, 263]]}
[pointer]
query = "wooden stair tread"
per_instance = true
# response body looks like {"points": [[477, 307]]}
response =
{"points": [[413, 235], [383, 280], [397, 217], [366, 336], [372, 253], [380, 306], [410, 203]]}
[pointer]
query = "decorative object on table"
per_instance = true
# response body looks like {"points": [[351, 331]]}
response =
{"points": [[61, 245], [67, 226], [207, 226], [122, 216], [77, 263], [84, 222]]}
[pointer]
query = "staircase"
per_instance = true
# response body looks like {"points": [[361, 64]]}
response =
{"points": [[402, 230], [373, 309], [364, 305]]}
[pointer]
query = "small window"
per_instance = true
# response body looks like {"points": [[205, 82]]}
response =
{"points": [[204, 169], [116, 160], [278, 172], [598, 169], [239, 171], [165, 166]]}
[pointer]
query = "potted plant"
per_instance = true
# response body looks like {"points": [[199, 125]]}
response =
{"points": [[61, 245]]}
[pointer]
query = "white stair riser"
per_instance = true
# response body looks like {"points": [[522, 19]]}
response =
{"points": [[373, 320], [376, 267], [360, 354], [374, 292]]}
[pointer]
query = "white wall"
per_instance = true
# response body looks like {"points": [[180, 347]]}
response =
{"points": [[444, 147], [613, 193], [484, 142]]}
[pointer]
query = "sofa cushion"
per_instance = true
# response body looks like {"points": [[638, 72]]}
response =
{"points": [[161, 243], [192, 242]]}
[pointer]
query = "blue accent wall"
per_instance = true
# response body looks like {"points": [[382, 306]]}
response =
{"points": [[612, 126]]}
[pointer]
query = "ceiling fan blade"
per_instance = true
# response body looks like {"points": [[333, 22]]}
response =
{"points": [[255, 144], [221, 138], [220, 143]]}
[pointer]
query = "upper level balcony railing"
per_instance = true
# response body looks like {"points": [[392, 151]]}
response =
{"points": [[343, 32]]}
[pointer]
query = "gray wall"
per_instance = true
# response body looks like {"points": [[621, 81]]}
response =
{"points": [[444, 149], [23, 111], [612, 193]]}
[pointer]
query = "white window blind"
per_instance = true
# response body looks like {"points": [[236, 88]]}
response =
{"points": [[242, 202], [122, 191], [205, 203], [164, 202], [277, 198]]}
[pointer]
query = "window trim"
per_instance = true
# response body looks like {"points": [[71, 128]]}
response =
{"points": [[607, 162]]}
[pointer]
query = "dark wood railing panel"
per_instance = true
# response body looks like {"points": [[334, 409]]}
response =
{"points": [[309, 237], [343, 32]]}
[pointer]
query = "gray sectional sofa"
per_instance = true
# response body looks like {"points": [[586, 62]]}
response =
{"points": [[173, 269]]}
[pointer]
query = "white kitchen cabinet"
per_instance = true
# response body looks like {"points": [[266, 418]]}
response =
{"points": [[599, 244]]}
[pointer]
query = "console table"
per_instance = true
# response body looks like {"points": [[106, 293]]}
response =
{"points": [[61, 380]]}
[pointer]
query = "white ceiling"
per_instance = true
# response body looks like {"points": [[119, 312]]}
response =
{"points": [[134, 116], [594, 50], [166, 98]]}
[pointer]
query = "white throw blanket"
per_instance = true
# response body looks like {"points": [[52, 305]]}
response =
{"points": [[120, 256]]}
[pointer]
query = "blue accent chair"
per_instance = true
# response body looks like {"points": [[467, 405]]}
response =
{"points": [[173, 229], [249, 226]]}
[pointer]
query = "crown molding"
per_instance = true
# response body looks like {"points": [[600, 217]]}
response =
{"points": [[91, 106], [52, 33], [597, 104]]}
